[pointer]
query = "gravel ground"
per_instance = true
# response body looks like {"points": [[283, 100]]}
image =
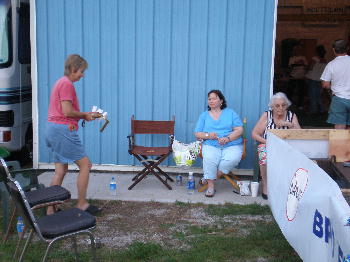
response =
{"points": [[123, 222]]}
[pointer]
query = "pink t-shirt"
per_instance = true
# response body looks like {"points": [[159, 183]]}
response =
{"points": [[63, 90]]}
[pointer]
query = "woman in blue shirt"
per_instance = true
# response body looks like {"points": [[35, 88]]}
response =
{"points": [[220, 128]]}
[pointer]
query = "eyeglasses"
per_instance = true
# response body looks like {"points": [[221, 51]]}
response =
{"points": [[279, 105]]}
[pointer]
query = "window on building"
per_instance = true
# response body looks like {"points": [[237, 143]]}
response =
{"points": [[24, 35], [5, 33]]}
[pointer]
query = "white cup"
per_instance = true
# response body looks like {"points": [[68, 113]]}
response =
{"points": [[254, 187]]}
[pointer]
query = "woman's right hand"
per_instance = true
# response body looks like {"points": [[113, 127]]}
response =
{"points": [[213, 135], [88, 116]]}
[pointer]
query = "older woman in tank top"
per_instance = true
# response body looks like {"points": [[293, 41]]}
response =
{"points": [[278, 117]]}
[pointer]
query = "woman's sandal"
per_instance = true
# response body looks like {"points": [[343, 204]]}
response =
{"points": [[93, 210], [210, 192], [202, 182]]}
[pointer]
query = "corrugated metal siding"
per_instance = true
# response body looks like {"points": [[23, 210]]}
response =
{"points": [[155, 59]]}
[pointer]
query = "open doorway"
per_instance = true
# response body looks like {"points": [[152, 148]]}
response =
{"points": [[301, 27]]}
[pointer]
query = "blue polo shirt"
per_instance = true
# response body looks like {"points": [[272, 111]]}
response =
{"points": [[223, 126]]}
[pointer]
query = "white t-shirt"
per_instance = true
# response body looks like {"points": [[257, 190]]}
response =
{"points": [[338, 73], [298, 65], [317, 69]]}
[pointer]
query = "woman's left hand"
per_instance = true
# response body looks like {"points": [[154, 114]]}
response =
{"points": [[284, 123], [223, 140]]}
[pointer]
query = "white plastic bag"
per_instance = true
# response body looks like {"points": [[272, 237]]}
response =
{"points": [[185, 154], [244, 188]]}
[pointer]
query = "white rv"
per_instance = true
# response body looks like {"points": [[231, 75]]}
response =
{"points": [[15, 81]]}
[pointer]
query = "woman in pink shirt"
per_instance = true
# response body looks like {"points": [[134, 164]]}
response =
{"points": [[61, 131]]}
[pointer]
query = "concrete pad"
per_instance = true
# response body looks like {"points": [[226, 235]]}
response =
{"points": [[150, 189]]}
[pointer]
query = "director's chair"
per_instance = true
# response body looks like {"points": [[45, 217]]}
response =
{"points": [[151, 157]]}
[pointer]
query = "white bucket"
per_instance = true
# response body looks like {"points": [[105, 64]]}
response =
{"points": [[244, 187], [254, 187]]}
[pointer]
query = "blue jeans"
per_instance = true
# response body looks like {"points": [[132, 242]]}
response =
{"points": [[315, 96], [223, 159]]}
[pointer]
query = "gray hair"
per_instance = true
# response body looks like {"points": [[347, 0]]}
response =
{"points": [[279, 95], [340, 46]]}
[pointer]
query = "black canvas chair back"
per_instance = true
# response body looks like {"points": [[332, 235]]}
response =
{"points": [[51, 228], [151, 156], [21, 202], [39, 198]]}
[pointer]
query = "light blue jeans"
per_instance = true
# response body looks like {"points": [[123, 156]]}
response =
{"points": [[223, 159]]}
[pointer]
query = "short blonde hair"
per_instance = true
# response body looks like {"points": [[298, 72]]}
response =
{"points": [[73, 63]]}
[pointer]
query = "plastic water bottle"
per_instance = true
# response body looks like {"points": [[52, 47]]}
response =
{"points": [[20, 226], [190, 183], [179, 180], [113, 187]]}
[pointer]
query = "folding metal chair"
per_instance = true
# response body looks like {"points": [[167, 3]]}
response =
{"points": [[39, 198], [144, 153], [51, 228]]}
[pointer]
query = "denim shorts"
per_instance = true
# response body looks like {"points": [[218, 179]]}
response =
{"points": [[64, 143], [339, 111]]}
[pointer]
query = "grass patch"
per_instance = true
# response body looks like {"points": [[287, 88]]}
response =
{"points": [[233, 209], [197, 230], [179, 235], [166, 225], [182, 204], [221, 239]]}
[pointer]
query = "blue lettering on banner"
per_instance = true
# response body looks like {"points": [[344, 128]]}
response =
{"points": [[340, 255], [317, 226], [317, 229], [347, 222], [347, 258], [328, 230]]}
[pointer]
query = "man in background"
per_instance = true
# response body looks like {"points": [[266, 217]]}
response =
{"points": [[336, 76], [297, 65]]}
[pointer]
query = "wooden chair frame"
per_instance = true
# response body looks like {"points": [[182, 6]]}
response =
{"points": [[144, 154]]}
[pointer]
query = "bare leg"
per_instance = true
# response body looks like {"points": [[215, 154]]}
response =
{"points": [[210, 184], [84, 165], [340, 126], [60, 172], [263, 178], [219, 174]]}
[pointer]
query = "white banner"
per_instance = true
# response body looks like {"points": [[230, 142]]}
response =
{"points": [[307, 204]]}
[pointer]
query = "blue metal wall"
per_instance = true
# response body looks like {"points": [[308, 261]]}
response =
{"points": [[155, 59]]}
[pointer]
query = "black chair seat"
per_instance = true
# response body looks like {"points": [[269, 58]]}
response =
{"points": [[65, 222], [47, 195]]}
